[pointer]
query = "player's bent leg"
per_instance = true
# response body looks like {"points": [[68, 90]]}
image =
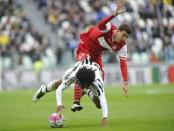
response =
{"points": [[76, 106], [39, 93], [97, 102], [52, 86], [78, 93], [94, 99]]}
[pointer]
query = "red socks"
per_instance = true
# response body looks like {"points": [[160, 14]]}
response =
{"points": [[78, 92]]}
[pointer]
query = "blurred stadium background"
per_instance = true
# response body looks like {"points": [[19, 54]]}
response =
{"points": [[38, 38]]}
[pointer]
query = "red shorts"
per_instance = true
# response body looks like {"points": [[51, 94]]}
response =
{"points": [[81, 56]]}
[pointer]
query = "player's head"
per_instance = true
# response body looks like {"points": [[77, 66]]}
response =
{"points": [[122, 34], [85, 77]]}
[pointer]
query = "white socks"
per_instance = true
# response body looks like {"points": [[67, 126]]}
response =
{"points": [[43, 89], [50, 87]]}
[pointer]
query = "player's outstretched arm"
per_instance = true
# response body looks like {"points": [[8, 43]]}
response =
{"points": [[124, 68], [104, 109], [124, 72], [59, 93], [120, 7]]}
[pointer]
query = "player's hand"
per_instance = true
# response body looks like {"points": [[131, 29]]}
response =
{"points": [[120, 7], [104, 122], [59, 108], [125, 88]]}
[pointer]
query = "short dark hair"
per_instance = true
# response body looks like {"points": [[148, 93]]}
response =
{"points": [[125, 27], [85, 76]]}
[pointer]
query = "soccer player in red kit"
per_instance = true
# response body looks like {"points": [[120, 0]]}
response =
{"points": [[104, 36]]}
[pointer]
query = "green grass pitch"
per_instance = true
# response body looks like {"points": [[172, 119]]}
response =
{"points": [[148, 108]]}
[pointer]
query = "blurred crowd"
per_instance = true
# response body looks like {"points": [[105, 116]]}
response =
{"points": [[20, 44], [152, 23]]}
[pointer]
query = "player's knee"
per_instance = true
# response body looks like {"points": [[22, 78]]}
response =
{"points": [[98, 105], [58, 82]]}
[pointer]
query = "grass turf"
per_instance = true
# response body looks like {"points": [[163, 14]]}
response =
{"points": [[148, 108]]}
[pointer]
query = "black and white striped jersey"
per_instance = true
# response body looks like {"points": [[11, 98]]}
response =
{"points": [[96, 88], [70, 74]]}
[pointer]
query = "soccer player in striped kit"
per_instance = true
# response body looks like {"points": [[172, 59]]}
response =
{"points": [[88, 76], [102, 37]]}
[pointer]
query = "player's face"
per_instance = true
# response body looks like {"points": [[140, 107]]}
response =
{"points": [[121, 36]]}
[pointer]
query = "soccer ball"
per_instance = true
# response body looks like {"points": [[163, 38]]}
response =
{"points": [[56, 120]]}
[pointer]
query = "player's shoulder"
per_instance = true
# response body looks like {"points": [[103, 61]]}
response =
{"points": [[110, 28], [113, 26], [89, 63]]}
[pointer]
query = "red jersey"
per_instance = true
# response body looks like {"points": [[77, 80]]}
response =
{"points": [[99, 39]]}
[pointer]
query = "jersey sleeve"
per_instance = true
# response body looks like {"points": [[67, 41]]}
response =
{"points": [[122, 53], [98, 90], [67, 80], [123, 62], [59, 92], [103, 104], [69, 76], [104, 25]]}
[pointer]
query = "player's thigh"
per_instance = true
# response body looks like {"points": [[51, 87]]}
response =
{"points": [[79, 55], [99, 61]]}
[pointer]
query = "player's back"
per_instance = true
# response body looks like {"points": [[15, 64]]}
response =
{"points": [[88, 63], [95, 41], [89, 42]]}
